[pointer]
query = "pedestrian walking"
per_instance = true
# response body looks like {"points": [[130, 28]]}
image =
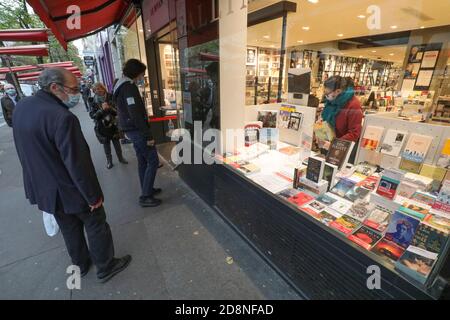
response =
{"points": [[104, 114], [8, 102], [133, 121], [58, 173]]}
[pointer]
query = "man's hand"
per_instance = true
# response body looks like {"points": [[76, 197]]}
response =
{"points": [[97, 205]]}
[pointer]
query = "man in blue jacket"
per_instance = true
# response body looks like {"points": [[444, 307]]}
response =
{"points": [[133, 121], [58, 172]]}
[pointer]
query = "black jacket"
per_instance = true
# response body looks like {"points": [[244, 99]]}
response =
{"points": [[131, 109], [8, 108], [105, 120], [58, 172]]}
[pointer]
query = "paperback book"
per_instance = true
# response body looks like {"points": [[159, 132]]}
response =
{"points": [[300, 199], [360, 209], [442, 202], [345, 224], [269, 136], [444, 157], [414, 209], [430, 238], [393, 142], [339, 152], [388, 186], [416, 263], [424, 197], [326, 199], [369, 183], [407, 189], [365, 237], [248, 168], [314, 171], [284, 116], [323, 131], [327, 217], [343, 186], [439, 221], [357, 193], [365, 169], [288, 193], [295, 121], [268, 118], [417, 148], [388, 250], [401, 229], [410, 166], [329, 174], [251, 133], [341, 206], [372, 137], [378, 218], [433, 172]]}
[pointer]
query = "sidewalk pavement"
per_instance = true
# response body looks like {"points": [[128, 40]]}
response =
{"points": [[181, 250]]}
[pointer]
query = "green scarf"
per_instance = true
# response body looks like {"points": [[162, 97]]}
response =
{"points": [[332, 108]]}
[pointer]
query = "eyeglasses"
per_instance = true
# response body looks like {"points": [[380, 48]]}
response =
{"points": [[72, 89]]}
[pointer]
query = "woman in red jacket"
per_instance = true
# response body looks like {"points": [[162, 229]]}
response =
{"points": [[342, 110]]}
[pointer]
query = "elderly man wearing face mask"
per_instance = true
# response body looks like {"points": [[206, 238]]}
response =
{"points": [[58, 173], [9, 102]]}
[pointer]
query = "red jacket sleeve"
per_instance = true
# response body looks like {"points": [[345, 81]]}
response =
{"points": [[354, 121]]}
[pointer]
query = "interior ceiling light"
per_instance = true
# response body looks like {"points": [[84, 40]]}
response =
{"points": [[373, 51], [340, 34], [394, 27], [305, 28], [361, 16], [266, 37], [391, 54], [313, 1], [300, 41]]}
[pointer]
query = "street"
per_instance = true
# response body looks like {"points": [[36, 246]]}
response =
{"points": [[181, 250]]}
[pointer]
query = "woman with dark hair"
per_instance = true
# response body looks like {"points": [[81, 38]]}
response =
{"points": [[104, 114], [342, 110]]}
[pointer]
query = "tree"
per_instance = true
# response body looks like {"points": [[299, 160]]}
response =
{"points": [[15, 14]]}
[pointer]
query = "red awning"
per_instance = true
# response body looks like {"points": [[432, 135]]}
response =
{"points": [[34, 50], [67, 64], [95, 15], [35, 35]]}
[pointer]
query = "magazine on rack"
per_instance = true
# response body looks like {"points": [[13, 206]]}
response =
{"points": [[372, 137], [393, 142], [417, 148]]}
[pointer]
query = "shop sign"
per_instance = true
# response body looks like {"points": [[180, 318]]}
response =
{"points": [[156, 15], [88, 60]]}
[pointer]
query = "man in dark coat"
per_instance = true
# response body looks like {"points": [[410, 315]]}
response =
{"points": [[8, 102], [58, 172]]}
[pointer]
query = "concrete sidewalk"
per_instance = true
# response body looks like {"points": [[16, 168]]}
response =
{"points": [[181, 250]]}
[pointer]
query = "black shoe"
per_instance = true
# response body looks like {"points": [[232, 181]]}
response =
{"points": [[149, 202], [122, 160], [109, 165], [156, 191], [84, 271], [118, 266]]}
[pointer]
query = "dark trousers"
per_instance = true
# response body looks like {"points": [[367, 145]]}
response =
{"points": [[86, 104], [148, 162], [117, 147], [101, 247]]}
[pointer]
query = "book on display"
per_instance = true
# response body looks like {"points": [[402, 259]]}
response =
{"points": [[343, 186], [444, 157], [365, 237], [393, 142], [417, 147], [339, 152], [345, 224], [401, 229], [314, 171], [372, 137], [378, 218], [416, 263], [388, 250]]}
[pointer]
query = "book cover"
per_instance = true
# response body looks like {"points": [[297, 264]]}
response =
{"points": [[424, 197], [326, 199], [406, 189], [360, 209], [365, 237], [439, 222], [326, 217], [345, 224], [339, 152], [387, 187], [388, 249], [357, 193], [401, 229], [269, 136], [249, 168], [284, 116], [433, 172], [357, 177], [414, 209], [295, 121], [301, 199], [369, 183], [371, 137], [323, 131], [410, 166], [378, 219], [342, 187], [365, 169], [314, 170], [417, 148], [299, 173], [315, 205], [393, 142], [268, 118], [341, 206], [290, 150], [329, 174], [416, 263], [444, 157], [251, 133], [288, 193], [442, 202], [430, 238], [424, 183]]}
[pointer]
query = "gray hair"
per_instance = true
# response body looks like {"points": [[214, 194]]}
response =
{"points": [[52, 75]]}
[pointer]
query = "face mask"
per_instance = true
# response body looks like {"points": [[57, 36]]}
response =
{"points": [[330, 97], [11, 92], [73, 100], [140, 82]]}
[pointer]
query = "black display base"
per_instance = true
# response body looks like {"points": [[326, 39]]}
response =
{"points": [[319, 262]]}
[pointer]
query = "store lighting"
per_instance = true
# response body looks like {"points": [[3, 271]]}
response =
{"points": [[360, 56], [394, 27], [300, 41], [140, 30], [391, 54], [305, 28], [422, 27], [340, 34], [361, 16], [266, 37], [373, 51], [313, 1]]}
